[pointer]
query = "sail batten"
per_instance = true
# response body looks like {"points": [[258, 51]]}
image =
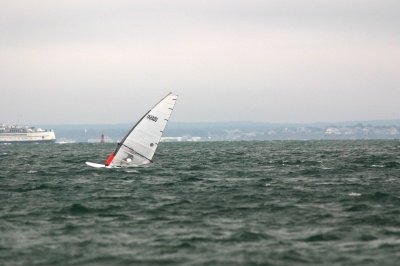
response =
{"points": [[139, 145]]}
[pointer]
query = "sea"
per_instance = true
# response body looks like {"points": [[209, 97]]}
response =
{"points": [[203, 203]]}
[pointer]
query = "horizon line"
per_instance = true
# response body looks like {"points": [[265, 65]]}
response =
{"points": [[218, 122]]}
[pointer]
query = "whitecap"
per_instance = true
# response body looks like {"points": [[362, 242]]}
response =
{"points": [[377, 165], [131, 171], [32, 171], [354, 194]]}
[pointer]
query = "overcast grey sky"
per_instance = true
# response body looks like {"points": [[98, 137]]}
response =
{"points": [[93, 61]]}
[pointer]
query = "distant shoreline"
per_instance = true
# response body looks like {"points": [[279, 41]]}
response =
{"points": [[236, 131]]}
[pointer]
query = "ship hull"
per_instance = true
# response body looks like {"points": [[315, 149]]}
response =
{"points": [[30, 137], [27, 141]]}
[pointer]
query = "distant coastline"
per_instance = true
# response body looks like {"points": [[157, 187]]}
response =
{"points": [[237, 131]]}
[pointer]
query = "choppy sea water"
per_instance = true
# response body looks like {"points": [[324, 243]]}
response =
{"points": [[215, 203]]}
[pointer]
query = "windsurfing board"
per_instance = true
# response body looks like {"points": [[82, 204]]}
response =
{"points": [[96, 165]]}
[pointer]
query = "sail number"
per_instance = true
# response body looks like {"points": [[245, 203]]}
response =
{"points": [[152, 118]]}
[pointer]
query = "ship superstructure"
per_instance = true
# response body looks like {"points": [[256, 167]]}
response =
{"points": [[25, 134]]}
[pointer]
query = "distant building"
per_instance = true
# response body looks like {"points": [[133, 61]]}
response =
{"points": [[333, 131]]}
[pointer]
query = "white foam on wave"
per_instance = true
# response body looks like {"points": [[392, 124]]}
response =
{"points": [[131, 171], [354, 194], [377, 165]]}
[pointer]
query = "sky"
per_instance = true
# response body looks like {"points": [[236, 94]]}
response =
{"points": [[97, 61]]}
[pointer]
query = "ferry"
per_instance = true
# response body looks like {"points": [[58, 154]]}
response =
{"points": [[25, 134]]}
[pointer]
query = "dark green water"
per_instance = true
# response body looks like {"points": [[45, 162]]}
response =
{"points": [[223, 203]]}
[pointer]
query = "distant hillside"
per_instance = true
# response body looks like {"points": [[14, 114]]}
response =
{"points": [[216, 131]]}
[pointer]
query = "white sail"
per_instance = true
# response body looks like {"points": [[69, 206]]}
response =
{"points": [[140, 144]]}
